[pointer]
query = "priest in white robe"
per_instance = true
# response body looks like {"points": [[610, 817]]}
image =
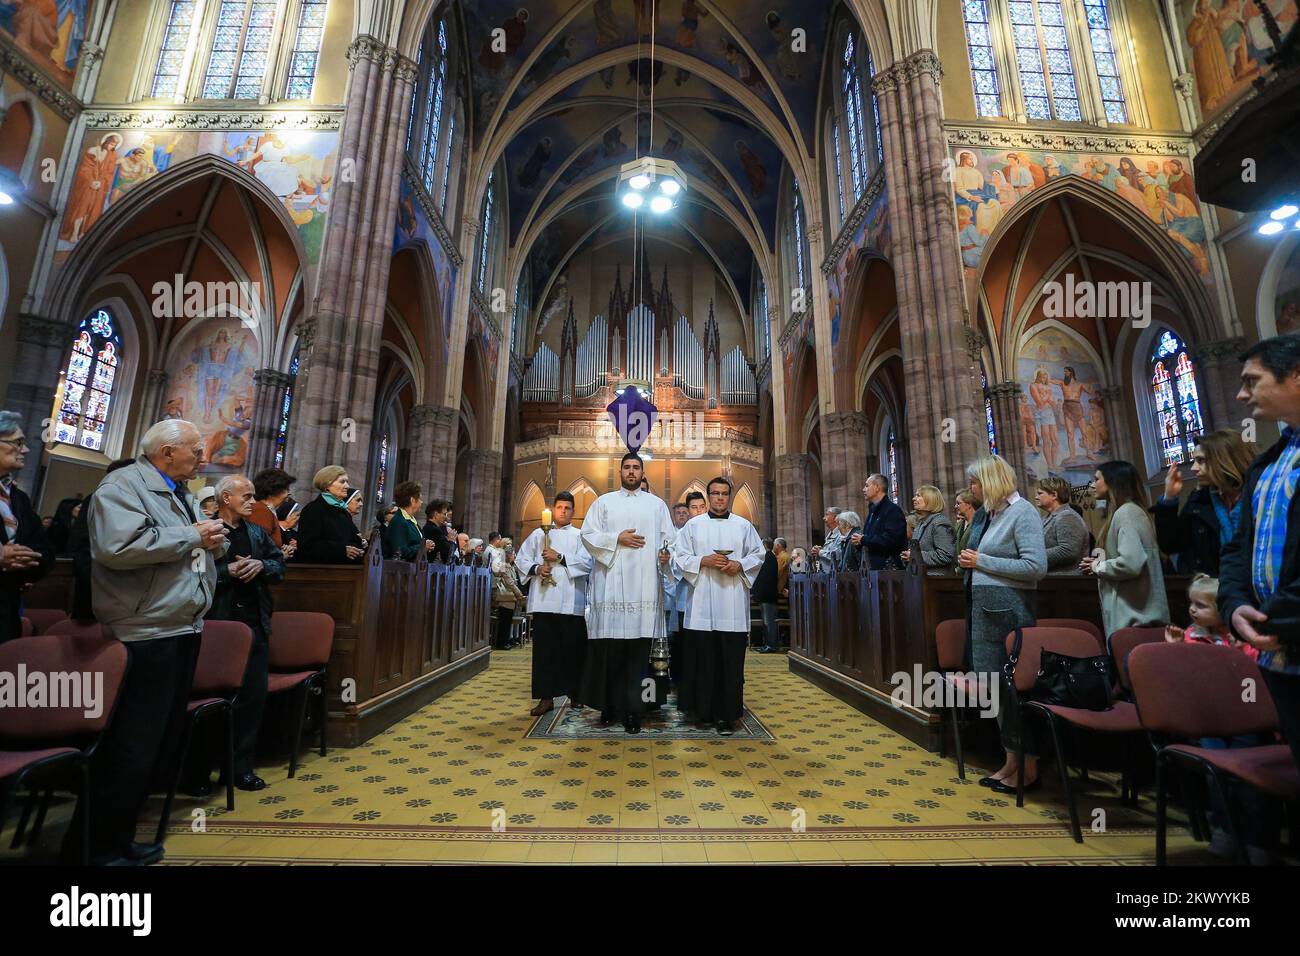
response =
{"points": [[628, 533], [557, 608], [719, 554]]}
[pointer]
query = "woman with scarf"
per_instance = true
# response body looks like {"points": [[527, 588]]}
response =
{"points": [[326, 532]]}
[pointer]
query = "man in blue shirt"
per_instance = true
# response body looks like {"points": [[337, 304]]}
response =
{"points": [[1259, 577]]}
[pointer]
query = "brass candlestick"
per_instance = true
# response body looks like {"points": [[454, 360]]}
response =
{"points": [[547, 581]]}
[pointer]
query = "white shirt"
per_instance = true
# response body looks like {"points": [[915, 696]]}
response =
{"points": [[626, 593], [718, 601], [569, 593]]}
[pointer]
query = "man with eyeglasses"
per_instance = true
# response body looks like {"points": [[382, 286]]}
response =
{"points": [[26, 555]]}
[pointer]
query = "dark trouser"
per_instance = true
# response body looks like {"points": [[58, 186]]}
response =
{"points": [[505, 616], [559, 649], [719, 674], [1285, 689], [142, 743], [1260, 815], [250, 703], [769, 622], [612, 675]]}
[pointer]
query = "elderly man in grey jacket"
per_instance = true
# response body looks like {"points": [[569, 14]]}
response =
{"points": [[154, 576]]}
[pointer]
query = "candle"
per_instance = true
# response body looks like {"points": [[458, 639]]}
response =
{"points": [[546, 516]]}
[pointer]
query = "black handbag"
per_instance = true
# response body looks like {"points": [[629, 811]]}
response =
{"points": [[1081, 682]]}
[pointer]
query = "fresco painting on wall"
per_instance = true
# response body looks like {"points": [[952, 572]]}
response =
{"points": [[298, 167], [1229, 42], [412, 227], [214, 390], [987, 182], [51, 32], [1062, 413]]}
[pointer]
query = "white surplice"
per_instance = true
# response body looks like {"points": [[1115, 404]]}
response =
{"points": [[568, 595], [625, 600], [718, 601]]}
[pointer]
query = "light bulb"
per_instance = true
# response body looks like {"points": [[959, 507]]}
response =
{"points": [[1284, 212], [669, 187], [1268, 229], [660, 204], [639, 181], [633, 200], [6, 199]]}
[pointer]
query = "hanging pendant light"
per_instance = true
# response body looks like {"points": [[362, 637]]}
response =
{"points": [[655, 183]]}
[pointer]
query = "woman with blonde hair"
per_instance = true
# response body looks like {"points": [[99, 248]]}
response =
{"points": [[326, 531], [1194, 536], [1006, 566], [934, 540]]}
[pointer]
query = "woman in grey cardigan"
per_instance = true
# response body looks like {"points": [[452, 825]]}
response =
{"points": [[934, 540], [1010, 561], [1064, 532], [1130, 581]]}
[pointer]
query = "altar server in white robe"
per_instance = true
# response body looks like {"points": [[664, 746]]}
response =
{"points": [[682, 648], [717, 613], [628, 533], [559, 628]]}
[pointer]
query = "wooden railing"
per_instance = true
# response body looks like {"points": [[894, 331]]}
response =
{"points": [[404, 632], [851, 632]]}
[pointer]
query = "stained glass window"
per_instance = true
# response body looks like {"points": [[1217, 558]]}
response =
{"points": [[382, 478], [983, 67], [839, 172], [415, 100], [306, 49], [176, 36], [1043, 60], [485, 238], [799, 270], [851, 88], [875, 110], [446, 160], [761, 325], [286, 406], [1178, 404], [85, 390], [891, 447], [988, 413], [1103, 55], [240, 49], [431, 129]]}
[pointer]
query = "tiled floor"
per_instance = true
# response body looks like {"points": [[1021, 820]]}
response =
{"points": [[459, 782]]}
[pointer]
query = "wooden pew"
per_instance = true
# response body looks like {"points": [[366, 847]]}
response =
{"points": [[851, 632], [404, 632]]}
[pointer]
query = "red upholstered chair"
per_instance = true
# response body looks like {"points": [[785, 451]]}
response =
{"points": [[950, 643], [1120, 719], [301, 642], [71, 628], [43, 618], [1122, 643], [53, 745], [218, 677], [1190, 691], [1077, 624], [28, 628]]}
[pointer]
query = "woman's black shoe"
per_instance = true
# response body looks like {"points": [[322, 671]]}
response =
{"points": [[1002, 787], [989, 781], [632, 724]]}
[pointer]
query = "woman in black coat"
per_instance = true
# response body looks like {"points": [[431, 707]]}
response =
{"points": [[326, 532], [1194, 536]]}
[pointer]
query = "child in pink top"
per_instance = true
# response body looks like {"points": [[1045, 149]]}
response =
{"points": [[1207, 627]]}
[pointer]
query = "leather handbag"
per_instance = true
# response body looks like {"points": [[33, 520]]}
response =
{"points": [[1081, 682]]}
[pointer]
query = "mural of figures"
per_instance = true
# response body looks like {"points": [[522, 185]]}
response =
{"points": [[1229, 42], [987, 182], [51, 32], [214, 389], [1061, 412], [297, 167]]}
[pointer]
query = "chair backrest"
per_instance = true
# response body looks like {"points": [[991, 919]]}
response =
{"points": [[1197, 690], [950, 641], [1062, 640], [43, 618], [71, 628], [223, 656], [81, 675], [28, 629], [1077, 624], [301, 640], [1122, 643]]}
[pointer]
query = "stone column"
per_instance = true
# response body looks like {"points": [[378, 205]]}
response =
{"points": [[1220, 379], [433, 449], [483, 503], [844, 447], [42, 345], [268, 401], [939, 379], [337, 378], [150, 409], [1011, 438], [1123, 443], [794, 520]]}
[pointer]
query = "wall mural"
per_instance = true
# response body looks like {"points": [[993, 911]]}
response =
{"points": [[214, 389], [871, 235], [413, 227], [1228, 44], [51, 32], [987, 182], [1062, 412], [298, 167]]}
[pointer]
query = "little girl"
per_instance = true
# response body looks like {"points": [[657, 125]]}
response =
{"points": [[1207, 627]]}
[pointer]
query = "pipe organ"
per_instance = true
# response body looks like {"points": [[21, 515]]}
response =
{"points": [[688, 359], [738, 385], [591, 363], [542, 380]]}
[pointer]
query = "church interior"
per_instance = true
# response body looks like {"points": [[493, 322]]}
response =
{"points": [[439, 241]]}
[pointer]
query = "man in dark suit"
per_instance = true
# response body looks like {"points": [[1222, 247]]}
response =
{"points": [[26, 555], [884, 530], [435, 529]]}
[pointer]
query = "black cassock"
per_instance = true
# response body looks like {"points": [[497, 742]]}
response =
{"points": [[559, 651], [716, 690]]}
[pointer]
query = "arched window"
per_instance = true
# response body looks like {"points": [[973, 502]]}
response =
{"points": [[983, 66], [1103, 57], [431, 130], [762, 330], [800, 271], [485, 238], [851, 90], [1043, 60], [875, 109], [839, 159], [988, 413], [286, 406], [237, 63], [381, 472], [1178, 405], [171, 58], [85, 389], [306, 49], [891, 461]]}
